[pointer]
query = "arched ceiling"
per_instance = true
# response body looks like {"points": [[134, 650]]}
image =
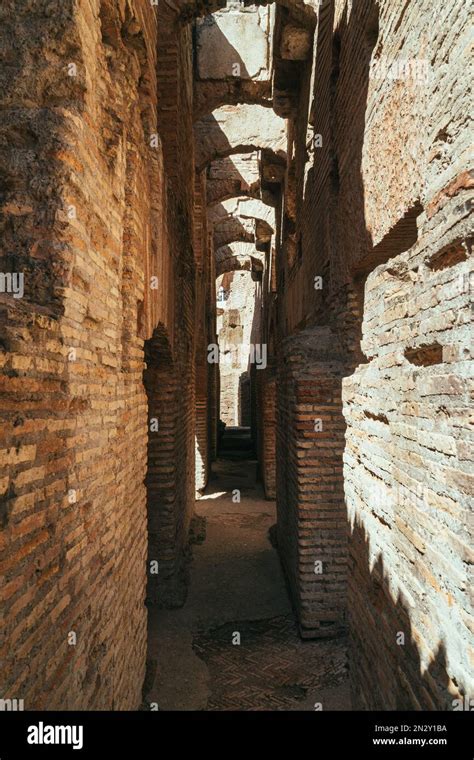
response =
{"points": [[242, 129], [239, 139], [238, 255], [241, 219], [244, 208], [233, 175], [240, 175], [233, 230], [211, 95]]}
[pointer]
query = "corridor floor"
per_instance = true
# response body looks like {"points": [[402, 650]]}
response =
{"points": [[237, 593]]}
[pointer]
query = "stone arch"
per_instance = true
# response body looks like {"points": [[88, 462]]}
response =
{"points": [[241, 218], [233, 175], [227, 131], [238, 255], [241, 174], [245, 208], [208, 96], [233, 229]]}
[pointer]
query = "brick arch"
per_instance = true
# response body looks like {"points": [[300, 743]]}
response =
{"points": [[242, 207], [238, 255], [234, 230], [210, 96], [241, 219], [239, 175], [228, 131]]}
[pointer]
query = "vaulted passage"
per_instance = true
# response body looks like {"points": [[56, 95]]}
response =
{"points": [[235, 460]]}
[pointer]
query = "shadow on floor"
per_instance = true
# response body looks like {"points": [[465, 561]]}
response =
{"points": [[237, 587]]}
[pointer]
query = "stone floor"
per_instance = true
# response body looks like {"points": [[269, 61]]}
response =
{"points": [[238, 592]]}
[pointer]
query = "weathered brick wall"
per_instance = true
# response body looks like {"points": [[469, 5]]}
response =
{"points": [[266, 428], [321, 232], [312, 527], [406, 470], [78, 99], [408, 480], [171, 484], [408, 507], [168, 488], [204, 330], [391, 171]]}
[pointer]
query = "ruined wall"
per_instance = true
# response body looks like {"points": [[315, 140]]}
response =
{"points": [[205, 329], [266, 380], [378, 166], [311, 340], [408, 481], [77, 173], [172, 448], [266, 428], [407, 474]]}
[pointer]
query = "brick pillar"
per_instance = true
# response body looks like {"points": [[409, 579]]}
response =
{"points": [[266, 402], [170, 486], [213, 408], [202, 427], [312, 530]]}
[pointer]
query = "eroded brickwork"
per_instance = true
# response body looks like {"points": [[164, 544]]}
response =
{"points": [[266, 428], [311, 160], [379, 168], [408, 480], [74, 527], [312, 528]]}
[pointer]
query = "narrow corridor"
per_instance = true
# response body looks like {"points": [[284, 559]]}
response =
{"points": [[237, 587], [235, 318]]}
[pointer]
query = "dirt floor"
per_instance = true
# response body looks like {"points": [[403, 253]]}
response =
{"points": [[234, 645]]}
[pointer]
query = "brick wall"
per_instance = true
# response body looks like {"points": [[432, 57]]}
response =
{"points": [[407, 479], [105, 241], [266, 428], [73, 407], [312, 529], [390, 177]]}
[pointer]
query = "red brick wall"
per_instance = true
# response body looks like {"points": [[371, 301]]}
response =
{"points": [[312, 529], [380, 192], [74, 412], [266, 428], [74, 408]]}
